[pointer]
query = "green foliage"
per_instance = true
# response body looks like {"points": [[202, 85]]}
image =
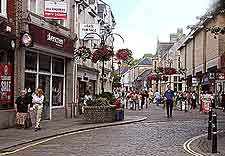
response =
{"points": [[107, 95], [100, 101]]}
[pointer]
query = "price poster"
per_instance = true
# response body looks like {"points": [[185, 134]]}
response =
{"points": [[5, 83]]}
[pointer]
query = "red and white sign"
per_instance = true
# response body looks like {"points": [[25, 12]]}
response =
{"points": [[6, 84], [220, 76], [55, 9]]}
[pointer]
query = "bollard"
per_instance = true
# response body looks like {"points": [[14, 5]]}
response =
{"points": [[185, 104], [214, 133], [210, 124], [180, 101]]}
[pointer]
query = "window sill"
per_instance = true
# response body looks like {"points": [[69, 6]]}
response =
{"points": [[3, 15]]}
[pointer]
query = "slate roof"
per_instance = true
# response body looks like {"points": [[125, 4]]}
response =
{"points": [[145, 61], [144, 75], [163, 47]]}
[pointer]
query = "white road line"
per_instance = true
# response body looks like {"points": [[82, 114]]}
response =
{"points": [[43, 141], [187, 144]]}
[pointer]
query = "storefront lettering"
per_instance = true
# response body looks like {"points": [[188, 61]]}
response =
{"points": [[5, 86], [59, 42]]}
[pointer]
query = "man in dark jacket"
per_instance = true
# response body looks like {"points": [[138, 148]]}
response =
{"points": [[169, 95]]}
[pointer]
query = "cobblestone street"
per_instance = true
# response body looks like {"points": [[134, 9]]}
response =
{"points": [[155, 136]]}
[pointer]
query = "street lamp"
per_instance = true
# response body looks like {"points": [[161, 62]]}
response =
{"points": [[119, 65], [103, 37]]}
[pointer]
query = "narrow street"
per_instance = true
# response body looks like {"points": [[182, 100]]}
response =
{"points": [[155, 136]]}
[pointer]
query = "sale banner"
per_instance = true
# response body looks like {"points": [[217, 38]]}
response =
{"points": [[6, 83]]}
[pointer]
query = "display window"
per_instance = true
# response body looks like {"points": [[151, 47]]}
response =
{"points": [[47, 72], [6, 80]]}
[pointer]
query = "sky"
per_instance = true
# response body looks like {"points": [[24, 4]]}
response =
{"points": [[142, 22]]}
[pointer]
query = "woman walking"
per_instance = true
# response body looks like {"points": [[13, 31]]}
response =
{"points": [[22, 107], [38, 100]]}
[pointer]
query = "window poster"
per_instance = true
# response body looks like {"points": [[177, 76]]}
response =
{"points": [[5, 83]]}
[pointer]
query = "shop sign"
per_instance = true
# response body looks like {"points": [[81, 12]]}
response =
{"points": [[55, 9], [26, 40], [212, 76], [58, 41], [220, 76], [194, 80], [51, 39], [5, 83], [89, 28]]}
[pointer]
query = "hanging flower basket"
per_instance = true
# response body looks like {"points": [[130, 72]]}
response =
{"points": [[160, 70], [102, 54], [83, 53], [169, 71], [153, 77], [165, 78], [123, 54]]}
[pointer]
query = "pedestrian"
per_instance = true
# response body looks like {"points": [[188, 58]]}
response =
{"points": [[142, 99], [151, 96], [22, 107], [87, 98], [223, 101], [193, 100], [157, 98], [38, 101], [169, 96]]}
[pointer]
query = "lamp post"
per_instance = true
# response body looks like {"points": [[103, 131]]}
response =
{"points": [[103, 37], [119, 65]]}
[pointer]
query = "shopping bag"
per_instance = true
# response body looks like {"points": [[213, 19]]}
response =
{"points": [[28, 122]]}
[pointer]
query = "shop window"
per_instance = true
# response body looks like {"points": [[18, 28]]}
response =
{"points": [[180, 87], [175, 78], [57, 66], [30, 61], [6, 83], [3, 6], [57, 91], [44, 63], [30, 81]]}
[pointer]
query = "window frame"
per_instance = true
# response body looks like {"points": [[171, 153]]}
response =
{"points": [[3, 8]]}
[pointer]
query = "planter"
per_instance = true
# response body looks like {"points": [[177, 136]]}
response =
{"points": [[99, 114]]}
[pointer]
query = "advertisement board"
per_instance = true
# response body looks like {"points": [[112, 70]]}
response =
{"points": [[89, 28], [5, 83], [55, 9]]}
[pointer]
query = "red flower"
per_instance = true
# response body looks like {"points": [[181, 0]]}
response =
{"points": [[123, 54], [102, 54]]}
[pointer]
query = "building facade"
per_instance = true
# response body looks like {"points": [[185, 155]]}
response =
{"points": [[7, 62]]}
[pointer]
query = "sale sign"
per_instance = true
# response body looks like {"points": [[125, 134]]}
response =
{"points": [[55, 9], [5, 83]]}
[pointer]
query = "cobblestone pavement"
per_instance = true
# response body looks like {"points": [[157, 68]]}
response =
{"points": [[156, 136]]}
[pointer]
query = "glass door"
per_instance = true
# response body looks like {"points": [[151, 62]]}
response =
{"points": [[44, 83]]}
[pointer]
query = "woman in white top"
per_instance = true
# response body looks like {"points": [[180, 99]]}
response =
{"points": [[38, 100]]}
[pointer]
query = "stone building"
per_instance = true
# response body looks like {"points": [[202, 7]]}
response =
{"points": [[202, 55]]}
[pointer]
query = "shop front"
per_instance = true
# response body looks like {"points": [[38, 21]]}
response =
{"points": [[48, 66], [87, 81], [7, 50]]}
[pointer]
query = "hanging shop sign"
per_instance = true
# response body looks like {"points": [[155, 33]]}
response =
{"points": [[51, 39], [5, 83], [87, 29], [212, 76], [26, 39], [55, 9], [194, 80]]}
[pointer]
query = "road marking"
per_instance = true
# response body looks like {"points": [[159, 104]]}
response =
{"points": [[187, 144], [43, 141]]}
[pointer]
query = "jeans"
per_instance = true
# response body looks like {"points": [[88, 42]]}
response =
{"points": [[169, 108]]}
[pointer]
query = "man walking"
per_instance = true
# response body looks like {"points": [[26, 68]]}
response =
{"points": [[169, 95]]}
